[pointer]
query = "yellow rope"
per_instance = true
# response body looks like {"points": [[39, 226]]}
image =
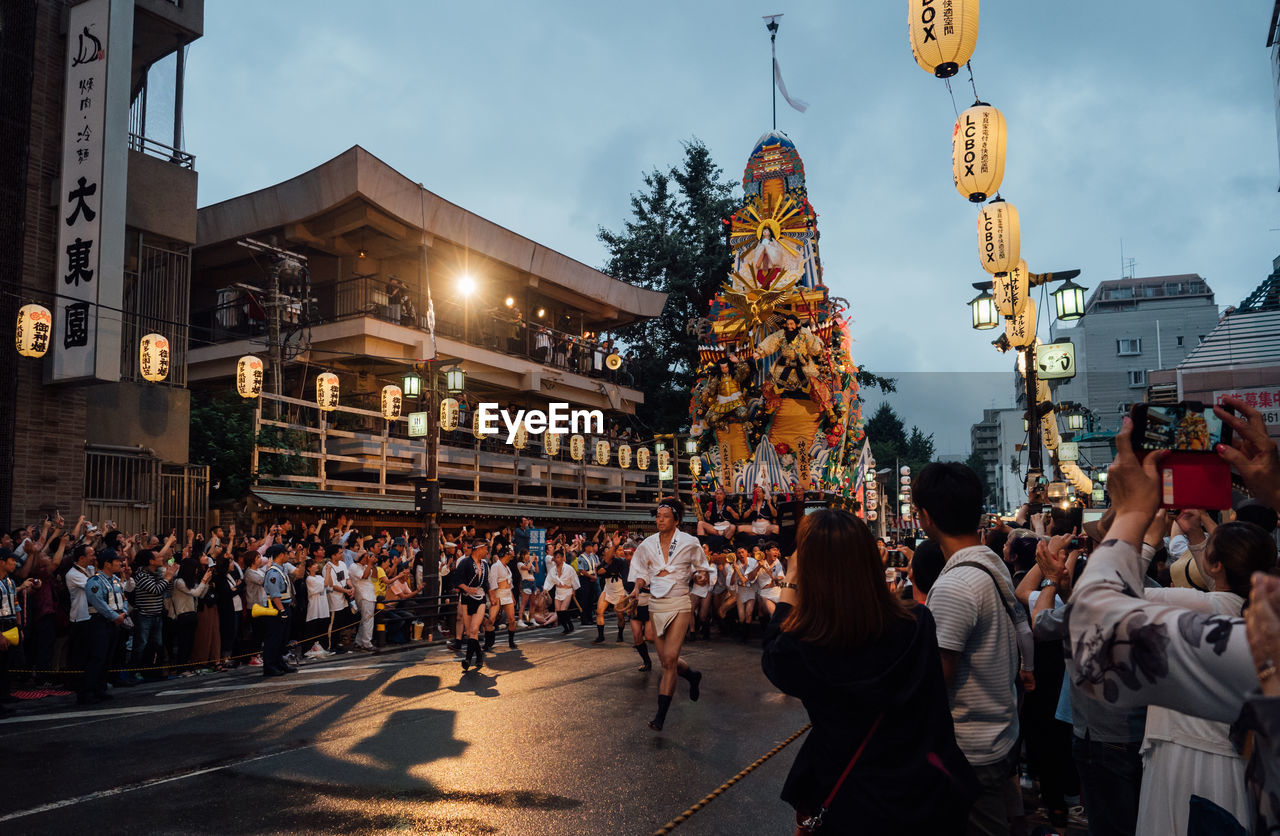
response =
{"points": [[680, 819]]}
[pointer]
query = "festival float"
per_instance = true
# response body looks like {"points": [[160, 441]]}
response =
{"points": [[775, 402]]}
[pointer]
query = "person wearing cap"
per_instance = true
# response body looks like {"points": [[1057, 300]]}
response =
{"points": [[586, 565], [108, 613], [278, 587], [663, 566], [471, 578]]}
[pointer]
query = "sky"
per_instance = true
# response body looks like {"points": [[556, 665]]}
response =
{"points": [[1137, 127]]}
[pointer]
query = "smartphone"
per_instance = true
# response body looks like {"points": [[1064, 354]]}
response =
{"points": [[897, 560], [1191, 474]]}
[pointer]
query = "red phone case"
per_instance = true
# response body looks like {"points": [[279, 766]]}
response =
{"points": [[1195, 480]]}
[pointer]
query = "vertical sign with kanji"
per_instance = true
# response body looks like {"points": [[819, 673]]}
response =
{"points": [[91, 194]]}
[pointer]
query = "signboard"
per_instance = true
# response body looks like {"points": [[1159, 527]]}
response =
{"points": [[417, 424], [538, 545], [1055, 361], [1068, 451], [667, 475], [91, 192], [1264, 399], [1099, 496]]}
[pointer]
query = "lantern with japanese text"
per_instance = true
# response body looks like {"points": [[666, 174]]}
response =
{"points": [[943, 34], [1049, 430], [448, 415], [577, 447], [1043, 393], [1077, 477], [602, 452], [999, 237], [695, 466], [475, 426], [642, 458], [153, 357], [249, 376], [664, 459], [1012, 289], [1021, 329], [521, 439], [35, 324], [977, 152], [551, 443], [624, 456], [392, 401], [327, 391]]}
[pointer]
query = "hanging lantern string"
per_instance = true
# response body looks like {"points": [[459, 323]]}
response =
{"points": [[952, 94], [969, 67]]}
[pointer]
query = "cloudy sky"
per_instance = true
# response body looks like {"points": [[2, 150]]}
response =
{"points": [[1151, 124]]}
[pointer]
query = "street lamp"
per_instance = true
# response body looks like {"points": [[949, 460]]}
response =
{"points": [[455, 381], [412, 386], [691, 446], [1075, 421], [1069, 299], [983, 307]]}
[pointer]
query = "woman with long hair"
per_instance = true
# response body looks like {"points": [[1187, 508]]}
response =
{"points": [[882, 755]]}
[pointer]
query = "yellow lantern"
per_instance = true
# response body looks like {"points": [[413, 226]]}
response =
{"points": [[1012, 289], [1021, 328], [521, 439], [577, 447], [977, 152], [249, 376], [943, 34], [475, 425], [327, 391], [999, 237], [153, 357], [35, 325], [695, 466], [602, 452], [664, 460], [551, 443], [1049, 431], [392, 400], [642, 458], [624, 456], [448, 415], [1077, 477]]}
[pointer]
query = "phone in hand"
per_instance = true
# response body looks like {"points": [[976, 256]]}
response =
{"points": [[1192, 475]]}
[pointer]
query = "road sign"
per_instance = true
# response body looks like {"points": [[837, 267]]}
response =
{"points": [[1056, 361]]}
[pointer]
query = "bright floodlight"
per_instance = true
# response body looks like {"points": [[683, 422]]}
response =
{"points": [[466, 284]]}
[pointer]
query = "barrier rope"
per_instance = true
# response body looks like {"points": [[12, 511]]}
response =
{"points": [[707, 799]]}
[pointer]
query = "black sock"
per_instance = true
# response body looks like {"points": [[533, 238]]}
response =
{"points": [[695, 682], [489, 636], [664, 703], [470, 650], [643, 650], [600, 632]]}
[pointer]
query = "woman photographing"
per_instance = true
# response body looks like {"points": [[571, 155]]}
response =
{"points": [[882, 755], [663, 566]]}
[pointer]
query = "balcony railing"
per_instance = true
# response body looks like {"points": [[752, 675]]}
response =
{"points": [[154, 148]]}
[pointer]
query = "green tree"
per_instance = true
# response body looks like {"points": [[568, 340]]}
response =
{"points": [[919, 449], [891, 443], [222, 438], [978, 465]]}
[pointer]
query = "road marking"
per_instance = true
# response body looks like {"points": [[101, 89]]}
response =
{"points": [[106, 712], [94, 796], [258, 685], [351, 667]]}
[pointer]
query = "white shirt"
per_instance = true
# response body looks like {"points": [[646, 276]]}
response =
{"points": [[361, 582], [746, 568], [701, 590], [75, 585], [563, 575], [770, 577], [317, 601], [336, 578], [683, 557], [499, 572]]}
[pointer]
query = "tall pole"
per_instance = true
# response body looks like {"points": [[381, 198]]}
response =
{"points": [[772, 26], [1034, 464], [433, 480], [273, 337]]}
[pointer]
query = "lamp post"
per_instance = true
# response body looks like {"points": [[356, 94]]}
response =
{"points": [[428, 493]]}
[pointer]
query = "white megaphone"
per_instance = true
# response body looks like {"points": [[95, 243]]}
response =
{"points": [[260, 611], [11, 635]]}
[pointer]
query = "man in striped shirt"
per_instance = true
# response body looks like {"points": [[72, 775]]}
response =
{"points": [[152, 582]]}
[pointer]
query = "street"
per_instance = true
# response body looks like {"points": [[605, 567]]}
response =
{"points": [[550, 738]]}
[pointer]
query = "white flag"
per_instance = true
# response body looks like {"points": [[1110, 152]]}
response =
{"points": [[798, 104], [431, 321]]}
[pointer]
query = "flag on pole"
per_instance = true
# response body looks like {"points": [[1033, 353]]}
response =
{"points": [[431, 321], [798, 104]]}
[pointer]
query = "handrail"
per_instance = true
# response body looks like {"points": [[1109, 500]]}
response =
{"points": [[157, 149]]}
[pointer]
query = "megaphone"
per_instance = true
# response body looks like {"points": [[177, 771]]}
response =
{"points": [[613, 361], [260, 611], [11, 635]]}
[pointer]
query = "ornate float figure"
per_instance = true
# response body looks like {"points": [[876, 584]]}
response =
{"points": [[795, 373], [723, 400]]}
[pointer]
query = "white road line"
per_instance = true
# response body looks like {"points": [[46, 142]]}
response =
{"points": [[93, 796], [350, 667], [105, 712], [256, 685]]}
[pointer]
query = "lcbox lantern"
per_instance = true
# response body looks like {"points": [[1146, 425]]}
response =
{"points": [[392, 401], [977, 152], [249, 376], [943, 34], [999, 237], [327, 391], [153, 357], [35, 324]]}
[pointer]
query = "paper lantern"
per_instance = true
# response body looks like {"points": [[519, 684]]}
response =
{"points": [[1012, 289], [1021, 329], [642, 458], [1042, 391], [872, 502], [392, 401], [943, 34], [999, 237], [475, 426], [1077, 477], [664, 460], [521, 439], [577, 447], [153, 357], [872, 494], [602, 452], [35, 325], [327, 391], [448, 415], [1049, 431], [249, 376], [871, 515], [695, 466], [624, 456], [977, 152], [551, 443]]}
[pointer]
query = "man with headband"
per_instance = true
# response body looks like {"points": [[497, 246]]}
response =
{"points": [[663, 566]]}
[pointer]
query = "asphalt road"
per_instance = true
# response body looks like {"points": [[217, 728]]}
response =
{"points": [[550, 738]]}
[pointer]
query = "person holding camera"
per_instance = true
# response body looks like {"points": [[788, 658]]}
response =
{"points": [[882, 754]]}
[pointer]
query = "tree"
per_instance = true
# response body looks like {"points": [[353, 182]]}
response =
{"points": [[891, 443], [978, 465], [919, 450], [222, 438]]}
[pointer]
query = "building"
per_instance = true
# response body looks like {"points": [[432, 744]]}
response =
{"points": [[1001, 441], [1273, 44], [98, 214], [375, 252]]}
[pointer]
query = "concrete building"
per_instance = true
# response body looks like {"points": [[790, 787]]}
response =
{"points": [[524, 322], [1001, 441], [98, 215]]}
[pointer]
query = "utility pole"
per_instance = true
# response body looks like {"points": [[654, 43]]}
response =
{"points": [[1034, 463], [288, 265]]}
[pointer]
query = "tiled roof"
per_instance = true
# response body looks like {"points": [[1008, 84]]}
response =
{"points": [[1242, 339]]}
